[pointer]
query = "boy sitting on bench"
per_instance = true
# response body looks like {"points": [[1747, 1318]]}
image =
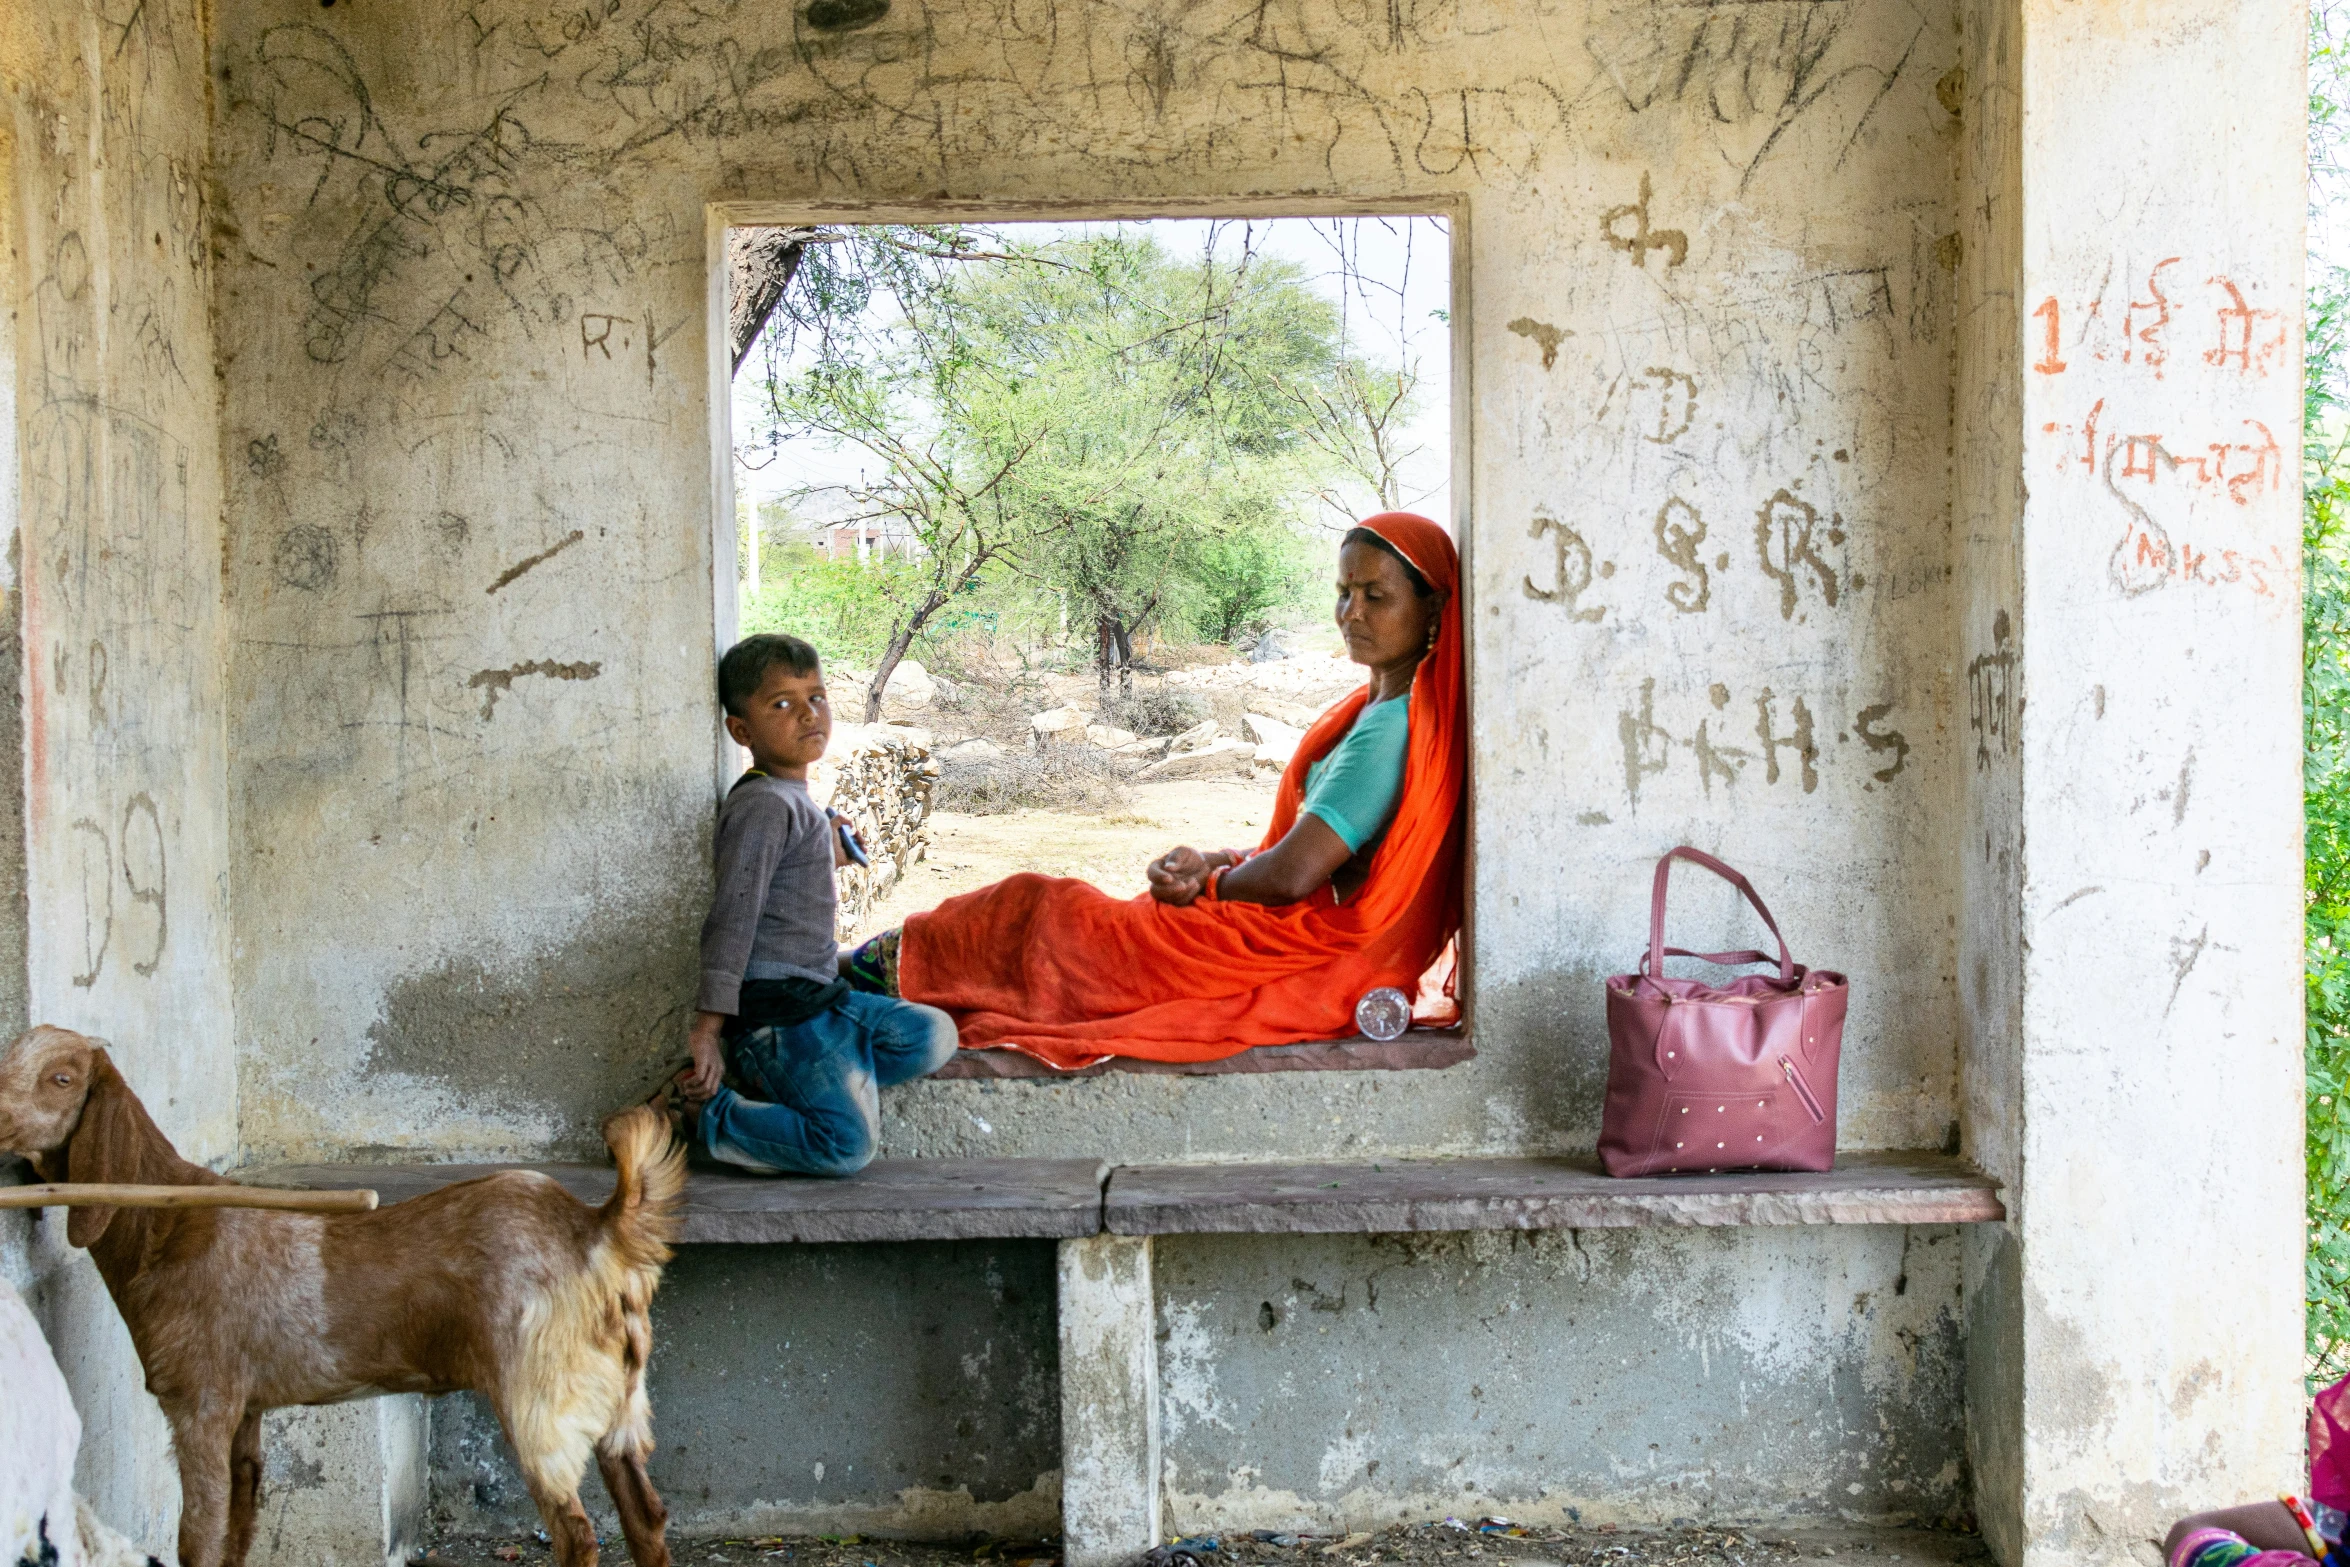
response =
{"points": [[787, 1059]]}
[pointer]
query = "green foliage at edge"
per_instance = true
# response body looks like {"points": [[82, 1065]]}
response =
{"points": [[843, 607], [2325, 611], [2325, 652]]}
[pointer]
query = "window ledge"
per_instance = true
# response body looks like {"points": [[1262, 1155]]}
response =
{"points": [[1420, 1049]]}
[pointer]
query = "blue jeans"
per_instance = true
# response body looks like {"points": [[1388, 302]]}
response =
{"points": [[820, 1110]]}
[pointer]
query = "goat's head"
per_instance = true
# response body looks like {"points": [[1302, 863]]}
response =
{"points": [[45, 1079]]}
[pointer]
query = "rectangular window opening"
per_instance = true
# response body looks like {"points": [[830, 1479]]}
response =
{"points": [[1059, 502]]}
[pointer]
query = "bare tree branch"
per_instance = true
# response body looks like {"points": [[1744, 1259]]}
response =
{"points": [[759, 265]]}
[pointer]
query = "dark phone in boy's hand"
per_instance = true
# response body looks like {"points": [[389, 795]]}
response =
{"points": [[848, 841]]}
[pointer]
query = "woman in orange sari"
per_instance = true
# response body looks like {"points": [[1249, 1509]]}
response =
{"points": [[1357, 884]]}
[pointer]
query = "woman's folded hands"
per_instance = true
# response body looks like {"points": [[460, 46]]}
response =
{"points": [[1181, 874], [1291, 871]]}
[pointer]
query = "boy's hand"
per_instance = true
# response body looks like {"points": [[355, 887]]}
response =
{"points": [[702, 1080], [840, 850]]}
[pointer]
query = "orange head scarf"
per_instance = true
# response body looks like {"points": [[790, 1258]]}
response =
{"points": [[1061, 970]]}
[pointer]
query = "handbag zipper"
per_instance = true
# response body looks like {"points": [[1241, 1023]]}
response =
{"points": [[1802, 1090]]}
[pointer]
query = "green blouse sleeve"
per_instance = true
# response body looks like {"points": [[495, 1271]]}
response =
{"points": [[1355, 787]]}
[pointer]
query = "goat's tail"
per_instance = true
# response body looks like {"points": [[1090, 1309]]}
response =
{"points": [[640, 1219]]}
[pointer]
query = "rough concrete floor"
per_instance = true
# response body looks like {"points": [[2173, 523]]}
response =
{"points": [[1402, 1545]]}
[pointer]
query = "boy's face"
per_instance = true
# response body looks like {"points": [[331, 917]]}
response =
{"points": [[787, 724]]}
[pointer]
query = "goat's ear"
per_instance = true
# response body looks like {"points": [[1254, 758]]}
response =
{"points": [[105, 1146]]}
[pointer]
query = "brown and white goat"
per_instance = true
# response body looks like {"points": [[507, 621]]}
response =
{"points": [[507, 1286]]}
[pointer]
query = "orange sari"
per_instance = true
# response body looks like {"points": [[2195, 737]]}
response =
{"points": [[1065, 973]]}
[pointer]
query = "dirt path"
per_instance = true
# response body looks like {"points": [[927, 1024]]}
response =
{"points": [[968, 852], [1399, 1545]]}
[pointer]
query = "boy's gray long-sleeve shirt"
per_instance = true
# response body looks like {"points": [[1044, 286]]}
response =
{"points": [[771, 916]]}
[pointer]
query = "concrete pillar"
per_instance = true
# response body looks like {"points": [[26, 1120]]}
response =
{"points": [[344, 1485], [2125, 439], [1109, 1401]]}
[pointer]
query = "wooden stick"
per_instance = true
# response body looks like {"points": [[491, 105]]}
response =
{"points": [[87, 1194]]}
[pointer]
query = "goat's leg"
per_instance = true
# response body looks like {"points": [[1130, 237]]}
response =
{"points": [[552, 1453], [568, 1529], [202, 1435], [244, 1490], [642, 1517]]}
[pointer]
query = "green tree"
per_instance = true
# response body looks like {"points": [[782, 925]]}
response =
{"points": [[1176, 444], [1359, 415], [2325, 610], [844, 607], [1243, 577], [872, 348], [1110, 421]]}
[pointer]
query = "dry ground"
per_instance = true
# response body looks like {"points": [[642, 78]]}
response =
{"points": [[968, 852], [1110, 848], [1402, 1545]]}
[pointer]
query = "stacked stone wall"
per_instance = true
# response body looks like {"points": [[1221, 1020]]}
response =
{"points": [[881, 777]]}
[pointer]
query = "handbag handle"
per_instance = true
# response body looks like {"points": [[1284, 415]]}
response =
{"points": [[1726, 959], [1652, 966]]}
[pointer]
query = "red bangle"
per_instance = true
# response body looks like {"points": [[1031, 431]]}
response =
{"points": [[1211, 891]]}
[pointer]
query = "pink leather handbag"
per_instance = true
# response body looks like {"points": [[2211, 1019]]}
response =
{"points": [[1735, 1077]]}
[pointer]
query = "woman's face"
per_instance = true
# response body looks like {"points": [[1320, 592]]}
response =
{"points": [[1384, 622]]}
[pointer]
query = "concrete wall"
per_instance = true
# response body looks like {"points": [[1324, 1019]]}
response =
{"points": [[2128, 457], [1738, 577], [113, 820], [473, 793], [1772, 521], [1319, 1382], [1704, 304], [1987, 474], [466, 314], [840, 1389], [1611, 1376]]}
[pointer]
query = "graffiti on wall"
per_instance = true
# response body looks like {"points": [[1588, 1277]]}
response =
{"points": [[1720, 737], [2181, 468], [118, 563]]}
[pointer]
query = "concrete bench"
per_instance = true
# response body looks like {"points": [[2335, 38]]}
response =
{"points": [[891, 1200], [1104, 1218]]}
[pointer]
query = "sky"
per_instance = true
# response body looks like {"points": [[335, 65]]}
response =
{"points": [[1391, 278]]}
